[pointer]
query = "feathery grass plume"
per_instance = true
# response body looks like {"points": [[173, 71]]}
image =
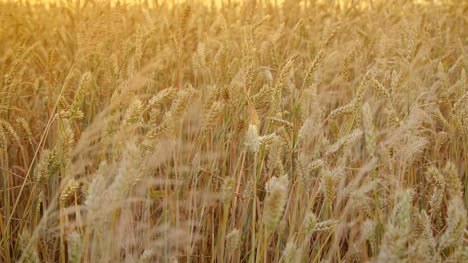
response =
{"points": [[252, 139], [397, 231], [233, 241], [275, 200], [361, 200], [452, 179], [310, 223], [95, 196], [249, 190], [456, 223], [368, 232], [401, 213], [28, 249], [126, 101], [423, 249], [74, 247], [426, 232], [306, 130], [420, 251], [146, 256], [292, 253], [129, 174]]}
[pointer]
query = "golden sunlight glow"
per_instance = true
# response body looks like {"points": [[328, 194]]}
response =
{"points": [[212, 131]]}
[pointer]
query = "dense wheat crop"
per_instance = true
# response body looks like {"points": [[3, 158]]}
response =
{"points": [[300, 131]]}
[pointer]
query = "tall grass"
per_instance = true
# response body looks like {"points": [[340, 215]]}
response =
{"points": [[238, 132]]}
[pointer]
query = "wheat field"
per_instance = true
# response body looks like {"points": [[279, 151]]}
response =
{"points": [[235, 131]]}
